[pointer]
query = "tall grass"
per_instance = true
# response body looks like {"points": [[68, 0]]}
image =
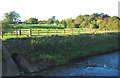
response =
{"points": [[60, 50]]}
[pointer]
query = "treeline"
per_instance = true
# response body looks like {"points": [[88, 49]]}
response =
{"points": [[49, 21], [95, 20], [98, 21]]}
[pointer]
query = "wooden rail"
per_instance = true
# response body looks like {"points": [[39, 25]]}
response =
{"points": [[30, 32]]}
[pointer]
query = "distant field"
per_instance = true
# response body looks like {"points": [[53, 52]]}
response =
{"points": [[37, 26]]}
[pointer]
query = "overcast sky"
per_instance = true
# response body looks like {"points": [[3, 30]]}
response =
{"points": [[62, 9]]}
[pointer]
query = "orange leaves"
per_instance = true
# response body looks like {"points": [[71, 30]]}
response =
{"points": [[105, 20]]}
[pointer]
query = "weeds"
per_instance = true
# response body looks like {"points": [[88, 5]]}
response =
{"points": [[61, 50]]}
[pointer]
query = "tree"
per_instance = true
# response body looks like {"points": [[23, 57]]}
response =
{"points": [[9, 18], [32, 20], [78, 21], [82, 25], [86, 21], [95, 20], [118, 24], [64, 23], [93, 26], [93, 17], [113, 23], [69, 23], [56, 21], [4, 25], [42, 22], [98, 22], [50, 21], [12, 17], [53, 17], [104, 15]]}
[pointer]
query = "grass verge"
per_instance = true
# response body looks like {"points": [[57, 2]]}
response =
{"points": [[59, 50]]}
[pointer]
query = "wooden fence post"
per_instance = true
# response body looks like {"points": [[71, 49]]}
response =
{"points": [[104, 32], [38, 32], [56, 31], [23, 32], [48, 32], [72, 31], [30, 32], [2, 35], [16, 33], [91, 30], [95, 31], [64, 31], [79, 31], [19, 31]]}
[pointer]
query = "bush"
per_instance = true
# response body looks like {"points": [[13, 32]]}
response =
{"points": [[33, 59], [45, 57]]}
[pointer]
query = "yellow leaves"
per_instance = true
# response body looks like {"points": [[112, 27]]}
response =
{"points": [[29, 20]]}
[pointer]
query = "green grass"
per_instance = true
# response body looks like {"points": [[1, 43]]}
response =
{"points": [[35, 27], [60, 50], [45, 32], [44, 28]]}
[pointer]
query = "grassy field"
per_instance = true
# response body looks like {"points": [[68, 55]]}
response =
{"points": [[37, 26], [47, 30], [12, 29]]}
